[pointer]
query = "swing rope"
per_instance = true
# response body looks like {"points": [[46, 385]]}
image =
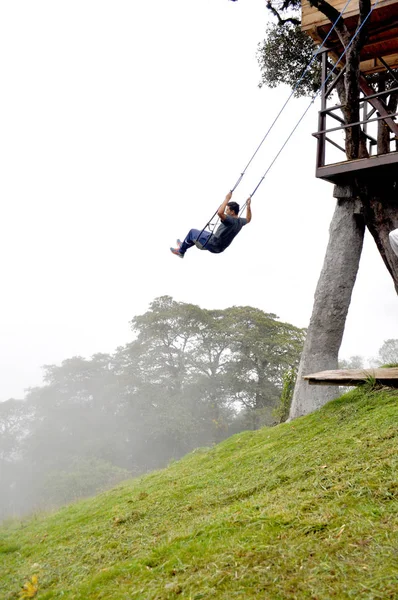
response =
{"points": [[209, 224], [315, 55], [311, 103]]}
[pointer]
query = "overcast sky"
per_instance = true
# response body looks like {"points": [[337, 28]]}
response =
{"points": [[123, 125]]}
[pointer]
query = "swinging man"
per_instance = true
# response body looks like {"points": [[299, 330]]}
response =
{"points": [[217, 242]]}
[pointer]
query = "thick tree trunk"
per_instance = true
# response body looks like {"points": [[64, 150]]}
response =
{"points": [[380, 202], [332, 300], [379, 206]]}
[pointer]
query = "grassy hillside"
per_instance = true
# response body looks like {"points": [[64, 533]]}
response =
{"points": [[308, 509]]}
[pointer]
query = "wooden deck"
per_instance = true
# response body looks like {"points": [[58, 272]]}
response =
{"points": [[352, 377], [380, 165]]}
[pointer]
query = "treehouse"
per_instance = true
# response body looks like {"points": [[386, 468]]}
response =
{"points": [[378, 58]]}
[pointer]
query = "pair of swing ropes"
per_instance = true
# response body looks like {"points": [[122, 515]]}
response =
{"points": [[212, 226]]}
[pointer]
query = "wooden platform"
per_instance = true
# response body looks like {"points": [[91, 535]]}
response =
{"points": [[380, 166], [388, 377]]}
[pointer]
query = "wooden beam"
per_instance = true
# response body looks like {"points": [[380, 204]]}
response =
{"points": [[353, 377], [379, 106], [336, 171], [311, 17]]}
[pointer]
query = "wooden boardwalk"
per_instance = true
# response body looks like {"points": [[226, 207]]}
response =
{"points": [[388, 377]]}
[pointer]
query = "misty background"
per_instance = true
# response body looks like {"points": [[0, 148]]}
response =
{"points": [[189, 378]]}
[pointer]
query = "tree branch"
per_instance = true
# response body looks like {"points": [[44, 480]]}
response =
{"points": [[364, 10], [333, 14], [277, 15]]}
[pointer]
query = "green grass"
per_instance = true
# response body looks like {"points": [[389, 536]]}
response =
{"points": [[307, 509]]}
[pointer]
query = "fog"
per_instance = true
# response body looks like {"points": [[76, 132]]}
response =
{"points": [[188, 378]]}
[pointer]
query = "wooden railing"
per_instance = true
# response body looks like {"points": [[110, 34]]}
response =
{"points": [[368, 110], [373, 109]]}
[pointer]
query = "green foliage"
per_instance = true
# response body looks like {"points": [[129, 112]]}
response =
{"points": [[214, 359], [284, 55], [307, 509], [281, 412]]}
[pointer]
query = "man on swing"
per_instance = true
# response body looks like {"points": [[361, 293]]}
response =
{"points": [[217, 242]]}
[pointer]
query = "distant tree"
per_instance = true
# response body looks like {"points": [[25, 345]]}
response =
{"points": [[264, 349], [388, 353], [178, 385], [14, 423], [354, 362], [179, 357], [75, 412], [217, 358]]}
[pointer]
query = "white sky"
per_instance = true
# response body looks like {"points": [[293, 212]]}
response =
{"points": [[123, 125]]}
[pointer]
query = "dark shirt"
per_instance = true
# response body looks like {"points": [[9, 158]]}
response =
{"points": [[225, 233]]}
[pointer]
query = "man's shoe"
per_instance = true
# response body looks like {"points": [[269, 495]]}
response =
{"points": [[179, 242], [176, 252]]}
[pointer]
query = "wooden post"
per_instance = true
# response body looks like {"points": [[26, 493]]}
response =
{"points": [[378, 104], [320, 155]]}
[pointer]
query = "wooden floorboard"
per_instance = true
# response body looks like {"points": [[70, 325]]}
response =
{"points": [[338, 172], [354, 377]]}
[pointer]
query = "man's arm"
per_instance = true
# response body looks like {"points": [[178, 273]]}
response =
{"points": [[221, 210], [248, 210]]}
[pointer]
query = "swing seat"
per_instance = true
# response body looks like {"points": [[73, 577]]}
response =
{"points": [[198, 245]]}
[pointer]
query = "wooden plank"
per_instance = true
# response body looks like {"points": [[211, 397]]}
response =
{"points": [[375, 48], [312, 17], [374, 65], [337, 171], [353, 377], [378, 105]]}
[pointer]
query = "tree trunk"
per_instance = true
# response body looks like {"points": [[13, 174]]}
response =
{"points": [[331, 304], [380, 202]]}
